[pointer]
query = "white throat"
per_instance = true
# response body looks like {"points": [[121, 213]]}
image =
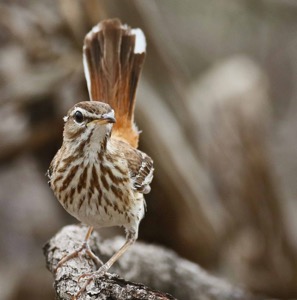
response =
{"points": [[99, 138]]}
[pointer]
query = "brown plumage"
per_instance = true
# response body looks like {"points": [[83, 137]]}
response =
{"points": [[112, 71], [98, 175]]}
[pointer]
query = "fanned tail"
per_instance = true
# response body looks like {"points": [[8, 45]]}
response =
{"points": [[113, 56]]}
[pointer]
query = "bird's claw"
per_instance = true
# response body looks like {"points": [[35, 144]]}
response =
{"points": [[97, 274], [85, 248], [89, 277]]}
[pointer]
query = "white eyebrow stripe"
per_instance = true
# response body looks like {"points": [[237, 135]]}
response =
{"points": [[85, 113]]}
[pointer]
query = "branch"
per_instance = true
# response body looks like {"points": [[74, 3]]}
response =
{"points": [[156, 267]]}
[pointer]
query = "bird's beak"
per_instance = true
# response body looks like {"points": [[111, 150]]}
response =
{"points": [[105, 119]]}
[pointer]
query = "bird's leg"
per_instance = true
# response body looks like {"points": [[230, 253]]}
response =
{"points": [[130, 240], [85, 246]]}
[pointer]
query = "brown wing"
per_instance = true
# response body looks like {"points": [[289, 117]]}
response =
{"points": [[113, 56], [140, 165], [141, 170]]}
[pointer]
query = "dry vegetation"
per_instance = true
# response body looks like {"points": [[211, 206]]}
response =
{"points": [[217, 105]]}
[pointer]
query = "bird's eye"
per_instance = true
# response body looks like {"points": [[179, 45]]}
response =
{"points": [[78, 117]]}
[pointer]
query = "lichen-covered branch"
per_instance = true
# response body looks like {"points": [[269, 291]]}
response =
{"points": [[155, 267]]}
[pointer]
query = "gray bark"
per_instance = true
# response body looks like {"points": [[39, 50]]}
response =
{"points": [[156, 267]]}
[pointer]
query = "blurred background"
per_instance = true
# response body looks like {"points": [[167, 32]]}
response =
{"points": [[217, 104]]}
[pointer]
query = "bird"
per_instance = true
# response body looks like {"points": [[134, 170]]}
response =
{"points": [[98, 175]]}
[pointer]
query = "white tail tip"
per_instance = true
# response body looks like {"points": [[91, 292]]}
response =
{"points": [[140, 42]]}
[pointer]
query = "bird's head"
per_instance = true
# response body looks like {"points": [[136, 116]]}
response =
{"points": [[90, 121]]}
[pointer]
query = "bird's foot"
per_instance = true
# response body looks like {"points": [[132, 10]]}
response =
{"points": [[86, 248], [89, 277]]}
